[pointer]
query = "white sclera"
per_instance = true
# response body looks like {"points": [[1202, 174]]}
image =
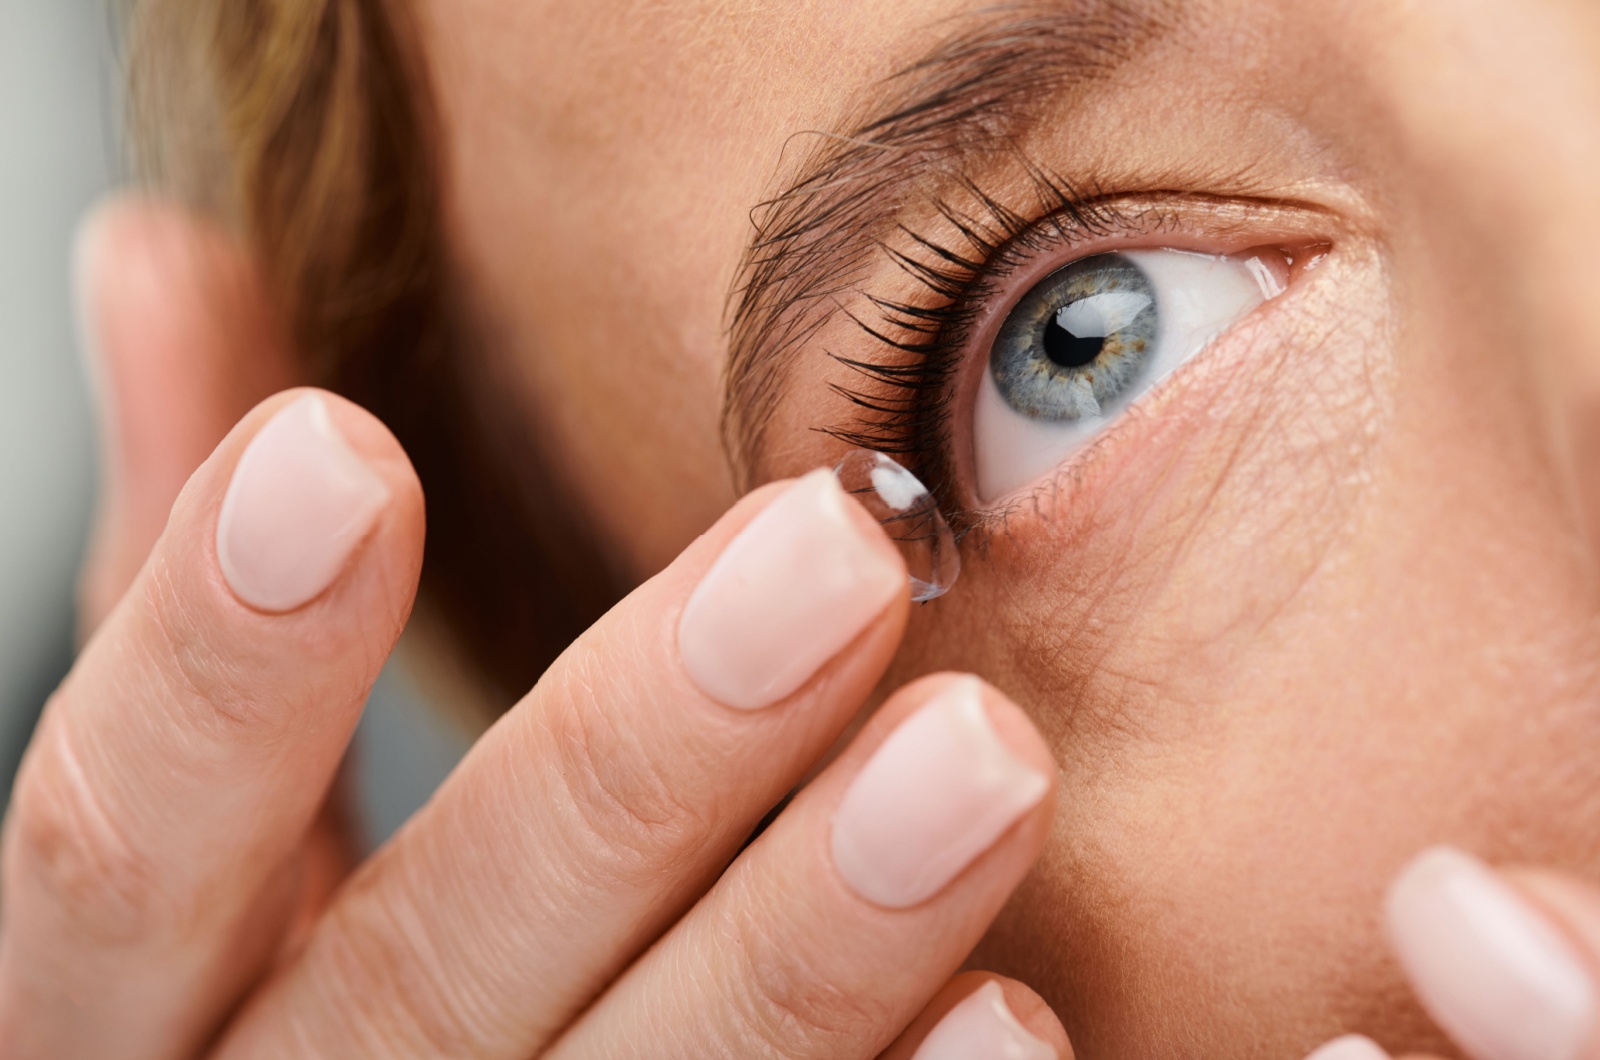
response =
{"points": [[908, 513], [1198, 296]]}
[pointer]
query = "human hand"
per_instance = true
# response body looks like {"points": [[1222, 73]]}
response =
{"points": [[568, 893], [1504, 960]]}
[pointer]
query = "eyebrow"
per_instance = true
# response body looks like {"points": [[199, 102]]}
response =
{"points": [[977, 91]]}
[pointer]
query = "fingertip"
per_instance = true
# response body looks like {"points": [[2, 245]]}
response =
{"points": [[982, 1014], [1036, 1015], [370, 439], [959, 775], [792, 588], [872, 531], [367, 435], [364, 434], [1011, 724], [1349, 1047], [311, 485], [1018, 731], [163, 290], [1496, 971], [1573, 903]]}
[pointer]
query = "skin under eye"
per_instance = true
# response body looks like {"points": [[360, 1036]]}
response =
{"points": [[1086, 341]]}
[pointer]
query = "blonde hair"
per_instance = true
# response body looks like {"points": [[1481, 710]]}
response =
{"points": [[308, 127], [304, 124]]}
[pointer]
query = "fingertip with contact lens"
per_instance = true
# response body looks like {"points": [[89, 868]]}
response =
{"points": [[909, 515]]}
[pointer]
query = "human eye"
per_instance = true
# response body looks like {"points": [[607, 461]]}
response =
{"points": [[1023, 342], [1083, 344]]}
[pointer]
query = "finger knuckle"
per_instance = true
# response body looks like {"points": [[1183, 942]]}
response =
{"points": [[217, 679], [787, 1000], [626, 793], [183, 649], [374, 955], [73, 844]]}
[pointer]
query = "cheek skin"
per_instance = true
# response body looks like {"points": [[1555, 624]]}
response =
{"points": [[1278, 640]]}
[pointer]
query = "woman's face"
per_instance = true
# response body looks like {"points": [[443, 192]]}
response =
{"points": [[1323, 595]]}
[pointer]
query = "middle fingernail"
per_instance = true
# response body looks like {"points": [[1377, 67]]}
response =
{"points": [[938, 793], [982, 1025], [796, 585]]}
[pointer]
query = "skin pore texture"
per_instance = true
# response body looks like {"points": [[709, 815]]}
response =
{"points": [[1324, 597]]}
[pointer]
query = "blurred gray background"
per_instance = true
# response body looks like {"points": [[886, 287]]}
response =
{"points": [[61, 148], [57, 151]]}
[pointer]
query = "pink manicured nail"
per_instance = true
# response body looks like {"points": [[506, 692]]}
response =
{"points": [[982, 1025], [299, 503], [1350, 1047], [938, 793], [799, 583], [1492, 971]]}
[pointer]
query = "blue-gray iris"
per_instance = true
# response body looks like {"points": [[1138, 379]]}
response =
{"points": [[1077, 340]]}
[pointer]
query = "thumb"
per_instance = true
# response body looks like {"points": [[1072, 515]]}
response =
{"points": [[1505, 962], [178, 343]]}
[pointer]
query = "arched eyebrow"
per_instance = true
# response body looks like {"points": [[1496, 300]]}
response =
{"points": [[981, 88]]}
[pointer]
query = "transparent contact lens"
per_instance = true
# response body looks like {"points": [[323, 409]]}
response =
{"points": [[907, 511]]}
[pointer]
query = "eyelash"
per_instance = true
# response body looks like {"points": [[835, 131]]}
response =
{"points": [[903, 403]]}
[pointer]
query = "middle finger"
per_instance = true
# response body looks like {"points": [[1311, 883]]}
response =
{"points": [[839, 925]]}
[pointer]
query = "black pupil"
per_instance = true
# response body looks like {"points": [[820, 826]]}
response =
{"points": [[1069, 350]]}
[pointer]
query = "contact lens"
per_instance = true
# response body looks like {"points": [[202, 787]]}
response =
{"points": [[908, 513]]}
